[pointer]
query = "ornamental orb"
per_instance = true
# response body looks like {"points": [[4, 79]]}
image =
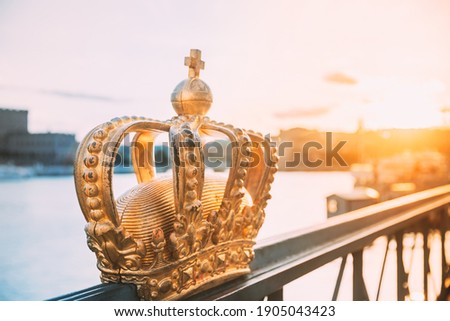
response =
{"points": [[192, 96]]}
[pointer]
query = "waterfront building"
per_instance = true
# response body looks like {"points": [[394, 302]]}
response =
{"points": [[13, 121], [20, 147]]}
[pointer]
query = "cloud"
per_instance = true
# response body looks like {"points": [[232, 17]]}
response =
{"points": [[80, 95], [340, 78], [303, 112], [63, 93]]}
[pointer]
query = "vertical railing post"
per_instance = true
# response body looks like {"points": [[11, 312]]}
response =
{"points": [[402, 280], [443, 228], [383, 267], [276, 296], [426, 260], [359, 287], [339, 278]]}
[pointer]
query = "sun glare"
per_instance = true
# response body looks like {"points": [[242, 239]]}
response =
{"points": [[404, 106]]}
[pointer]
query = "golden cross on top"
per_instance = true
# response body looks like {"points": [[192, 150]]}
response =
{"points": [[195, 63]]}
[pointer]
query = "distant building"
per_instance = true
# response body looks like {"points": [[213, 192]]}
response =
{"points": [[13, 121], [306, 150], [20, 147]]}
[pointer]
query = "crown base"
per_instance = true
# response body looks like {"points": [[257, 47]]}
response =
{"points": [[190, 275]]}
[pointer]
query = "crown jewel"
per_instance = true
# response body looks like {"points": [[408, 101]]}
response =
{"points": [[173, 236]]}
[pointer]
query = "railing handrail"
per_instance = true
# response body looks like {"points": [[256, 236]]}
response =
{"points": [[382, 208], [284, 258], [374, 214], [303, 251]]}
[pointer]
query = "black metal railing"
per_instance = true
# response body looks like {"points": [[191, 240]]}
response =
{"points": [[283, 259]]}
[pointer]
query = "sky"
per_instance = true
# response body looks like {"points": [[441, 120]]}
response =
{"points": [[271, 65]]}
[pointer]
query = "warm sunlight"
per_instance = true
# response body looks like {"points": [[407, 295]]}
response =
{"points": [[401, 112], [225, 150]]}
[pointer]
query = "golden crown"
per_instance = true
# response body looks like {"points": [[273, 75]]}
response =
{"points": [[173, 236]]}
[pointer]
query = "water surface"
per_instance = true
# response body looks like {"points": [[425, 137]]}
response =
{"points": [[43, 245]]}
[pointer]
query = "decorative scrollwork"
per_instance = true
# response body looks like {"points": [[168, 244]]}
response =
{"points": [[116, 249], [191, 233]]}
